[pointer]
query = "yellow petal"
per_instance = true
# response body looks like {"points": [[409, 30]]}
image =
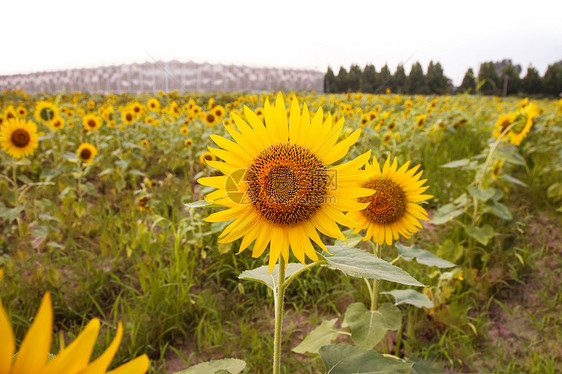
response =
{"points": [[137, 366], [100, 364], [34, 350], [8, 345], [76, 356]]}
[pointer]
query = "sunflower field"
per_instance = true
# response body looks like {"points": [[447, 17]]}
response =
{"points": [[160, 233]]}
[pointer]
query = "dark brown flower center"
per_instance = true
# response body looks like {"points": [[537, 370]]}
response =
{"points": [[20, 138], [210, 118], [91, 123], [387, 204], [85, 154], [287, 183], [129, 117]]}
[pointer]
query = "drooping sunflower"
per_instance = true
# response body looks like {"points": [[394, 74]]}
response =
{"points": [[278, 186], [91, 122], [86, 152], [19, 138], [45, 111], [392, 210], [33, 354]]}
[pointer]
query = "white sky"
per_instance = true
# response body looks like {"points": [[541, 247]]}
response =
{"points": [[57, 34]]}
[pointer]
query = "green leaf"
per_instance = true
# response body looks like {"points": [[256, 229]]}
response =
{"points": [[357, 263], [510, 179], [106, 172], [411, 297], [352, 239], [345, 359], [499, 210], [369, 327], [482, 195], [227, 365], [445, 214], [320, 336], [262, 275], [422, 256], [456, 163], [481, 234], [10, 214]]}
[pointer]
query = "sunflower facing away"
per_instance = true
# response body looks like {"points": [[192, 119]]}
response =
{"points": [[392, 209], [278, 186], [33, 354], [18, 137], [86, 152], [45, 111]]}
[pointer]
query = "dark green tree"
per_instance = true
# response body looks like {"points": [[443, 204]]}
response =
{"points": [[510, 79], [399, 80], [436, 80], [489, 79], [385, 79], [531, 84], [330, 82], [342, 80], [416, 80], [369, 79], [468, 82], [552, 80], [354, 78]]}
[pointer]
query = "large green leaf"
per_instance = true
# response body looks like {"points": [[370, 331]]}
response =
{"points": [[320, 336], [345, 359], [357, 263], [481, 234], [262, 275], [225, 366], [446, 213], [499, 210], [352, 239], [369, 327], [411, 297], [480, 194], [422, 256]]}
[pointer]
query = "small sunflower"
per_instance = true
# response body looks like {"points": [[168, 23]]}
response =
{"points": [[56, 123], [387, 138], [206, 157], [45, 111], [128, 116], [33, 354], [219, 111], [278, 186], [91, 122], [188, 142], [184, 130], [393, 208], [209, 118], [145, 143], [19, 138], [86, 152], [420, 121], [153, 104]]}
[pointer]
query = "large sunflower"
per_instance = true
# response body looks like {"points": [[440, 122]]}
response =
{"points": [[18, 137], [392, 209], [33, 354], [278, 186]]}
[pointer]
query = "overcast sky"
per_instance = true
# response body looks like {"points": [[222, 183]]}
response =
{"points": [[52, 35]]}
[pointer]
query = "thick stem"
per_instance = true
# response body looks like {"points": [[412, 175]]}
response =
{"points": [[375, 289], [278, 297]]}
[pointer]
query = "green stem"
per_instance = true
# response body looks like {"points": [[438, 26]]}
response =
{"points": [[278, 298], [375, 289]]}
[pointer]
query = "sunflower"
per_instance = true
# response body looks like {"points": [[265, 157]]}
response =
{"points": [[33, 354], [210, 119], [218, 110], [86, 152], [22, 112], [128, 116], [18, 137], [145, 143], [392, 209], [278, 185], [420, 121], [206, 157], [45, 111], [527, 116], [184, 130], [56, 123], [153, 104], [503, 122], [91, 122], [387, 137]]}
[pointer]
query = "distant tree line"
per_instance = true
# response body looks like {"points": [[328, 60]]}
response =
{"points": [[494, 78]]}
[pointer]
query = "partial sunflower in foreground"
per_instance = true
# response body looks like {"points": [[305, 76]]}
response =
{"points": [[86, 152], [33, 354], [392, 210], [18, 137], [277, 184]]}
